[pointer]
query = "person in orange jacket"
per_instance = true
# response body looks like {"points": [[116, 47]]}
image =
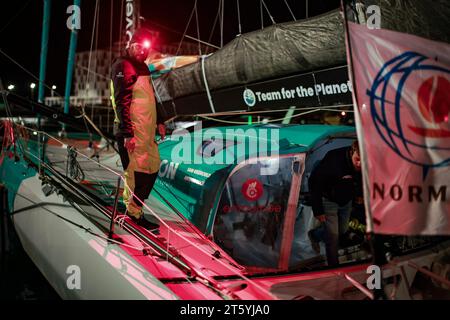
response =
{"points": [[137, 118]]}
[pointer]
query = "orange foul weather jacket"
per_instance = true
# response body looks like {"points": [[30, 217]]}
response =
{"points": [[136, 115]]}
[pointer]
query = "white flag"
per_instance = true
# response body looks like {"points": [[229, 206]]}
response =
{"points": [[402, 91]]}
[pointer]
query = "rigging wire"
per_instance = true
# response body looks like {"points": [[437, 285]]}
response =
{"points": [[111, 34], [198, 272], [313, 109], [120, 27], [15, 16], [289, 8], [87, 84], [187, 27], [267, 9], [307, 9], [208, 44], [27, 71], [262, 14], [86, 229], [239, 16], [198, 29], [222, 11], [214, 26]]}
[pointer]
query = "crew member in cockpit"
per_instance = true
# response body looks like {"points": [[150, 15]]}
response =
{"points": [[333, 184]]}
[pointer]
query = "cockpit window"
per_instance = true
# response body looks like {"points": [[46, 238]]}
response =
{"points": [[251, 212]]}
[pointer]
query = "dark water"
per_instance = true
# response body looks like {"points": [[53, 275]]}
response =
{"points": [[20, 279]]}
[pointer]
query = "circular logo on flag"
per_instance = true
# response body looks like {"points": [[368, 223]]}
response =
{"points": [[249, 97], [252, 189], [410, 106]]}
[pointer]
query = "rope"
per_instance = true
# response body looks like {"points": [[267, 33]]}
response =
{"points": [[73, 168], [211, 104]]}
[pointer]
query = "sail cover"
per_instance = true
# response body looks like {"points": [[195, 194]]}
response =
{"points": [[286, 49], [276, 51]]}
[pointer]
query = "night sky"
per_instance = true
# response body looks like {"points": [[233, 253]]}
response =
{"points": [[21, 27]]}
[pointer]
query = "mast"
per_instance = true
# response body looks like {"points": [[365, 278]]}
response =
{"points": [[71, 59], [44, 47]]}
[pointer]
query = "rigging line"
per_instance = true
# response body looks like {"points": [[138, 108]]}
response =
{"points": [[289, 8], [269, 121], [209, 44], [262, 14], [88, 230], [96, 41], [214, 26], [15, 16], [198, 30], [145, 205], [199, 273], [186, 29], [94, 29], [91, 71], [222, 10], [111, 33], [267, 9], [92, 44], [239, 16], [27, 71], [120, 27], [307, 9], [237, 113]]}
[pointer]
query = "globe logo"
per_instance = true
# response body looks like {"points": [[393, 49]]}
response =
{"points": [[410, 105], [249, 97]]}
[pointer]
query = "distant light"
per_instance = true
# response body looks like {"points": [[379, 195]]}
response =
{"points": [[343, 113], [35, 133], [146, 44], [53, 87], [32, 85], [11, 87]]}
